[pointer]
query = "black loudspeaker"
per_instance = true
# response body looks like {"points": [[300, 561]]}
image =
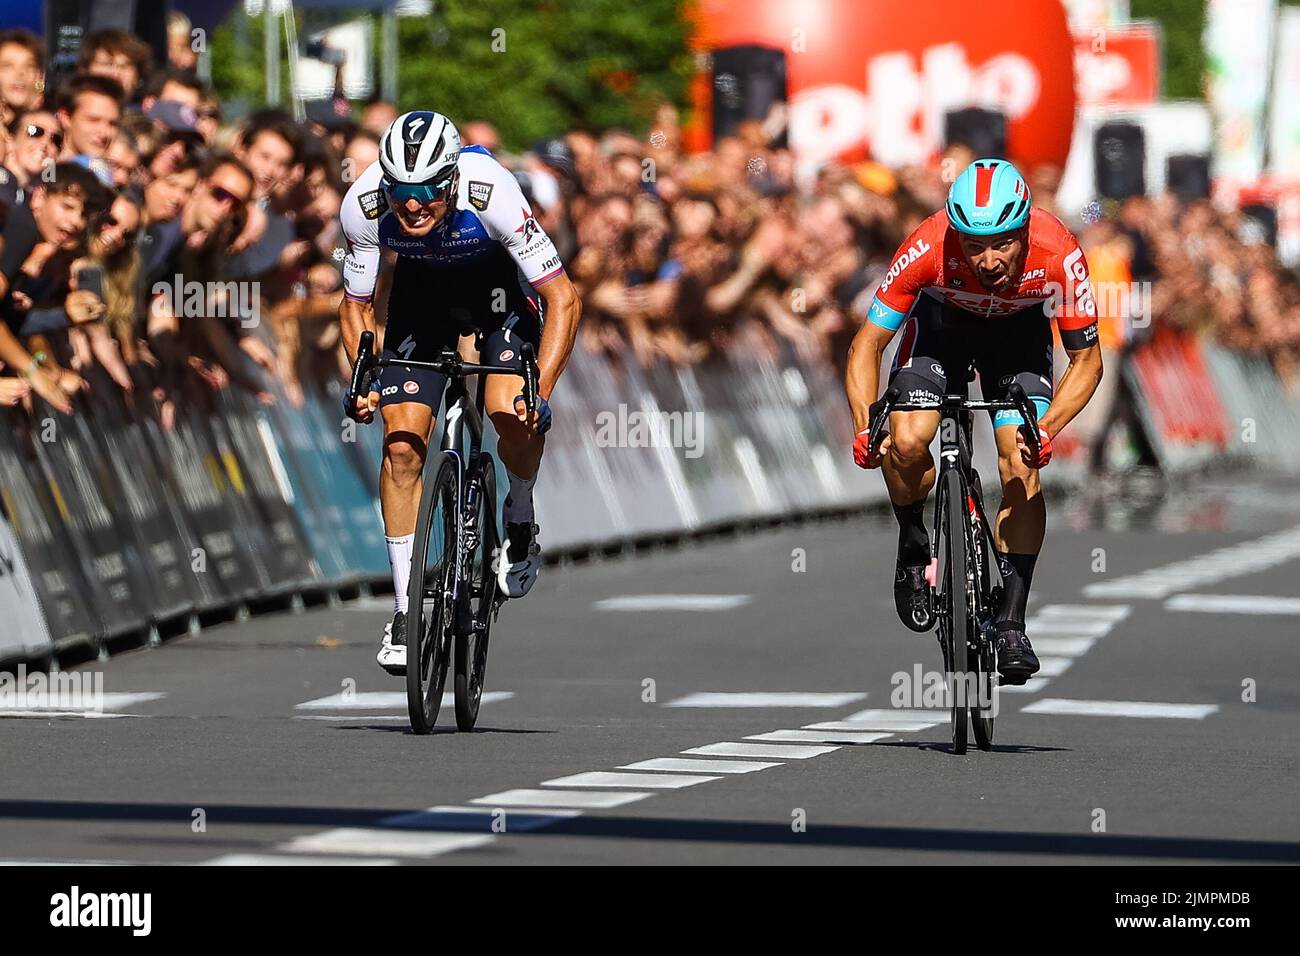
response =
{"points": [[984, 131], [68, 22], [747, 80], [1259, 223], [1119, 154], [1187, 176]]}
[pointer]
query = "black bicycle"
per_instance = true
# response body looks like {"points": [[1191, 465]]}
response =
{"points": [[453, 598], [962, 566]]}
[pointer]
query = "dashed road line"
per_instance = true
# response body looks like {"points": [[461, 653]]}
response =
{"points": [[385, 700], [1235, 561], [789, 751], [379, 842], [272, 859], [688, 765], [1233, 604], [851, 737], [1119, 708], [719, 699], [563, 799], [613, 778], [673, 602]]}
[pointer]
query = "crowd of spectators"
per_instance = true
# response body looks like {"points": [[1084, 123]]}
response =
{"points": [[152, 242]]}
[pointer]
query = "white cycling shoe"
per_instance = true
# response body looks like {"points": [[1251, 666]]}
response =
{"points": [[520, 559], [392, 652]]}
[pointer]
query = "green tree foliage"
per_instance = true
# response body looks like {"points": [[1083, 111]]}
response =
{"points": [[532, 67], [1182, 26]]}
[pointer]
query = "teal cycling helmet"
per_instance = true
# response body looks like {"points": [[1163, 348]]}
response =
{"points": [[989, 197]]}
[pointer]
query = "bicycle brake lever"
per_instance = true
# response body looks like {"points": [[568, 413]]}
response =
{"points": [[1017, 393], [880, 417], [360, 373], [528, 358]]}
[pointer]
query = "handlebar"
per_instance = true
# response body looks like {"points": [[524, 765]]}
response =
{"points": [[367, 365], [889, 402]]}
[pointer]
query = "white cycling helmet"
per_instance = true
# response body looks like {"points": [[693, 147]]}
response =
{"points": [[418, 148]]}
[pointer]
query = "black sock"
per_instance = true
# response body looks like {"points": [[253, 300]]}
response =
{"points": [[913, 542], [1017, 574]]}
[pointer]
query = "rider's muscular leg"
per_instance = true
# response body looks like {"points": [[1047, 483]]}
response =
{"points": [[520, 449], [909, 476], [406, 442], [908, 465], [1021, 523]]}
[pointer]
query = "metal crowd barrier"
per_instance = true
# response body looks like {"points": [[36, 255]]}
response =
{"points": [[117, 530], [127, 532]]}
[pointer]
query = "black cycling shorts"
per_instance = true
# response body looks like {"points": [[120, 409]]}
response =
{"points": [[430, 308], [940, 343]]}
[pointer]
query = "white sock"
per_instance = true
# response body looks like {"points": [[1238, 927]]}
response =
{"points": [[519, 500], [399, 559]]}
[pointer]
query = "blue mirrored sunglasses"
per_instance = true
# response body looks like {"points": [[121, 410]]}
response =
{"points": [[421, 193]]}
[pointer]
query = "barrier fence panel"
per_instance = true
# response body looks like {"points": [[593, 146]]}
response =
{"points": [[123, 520], [1179, 404]]}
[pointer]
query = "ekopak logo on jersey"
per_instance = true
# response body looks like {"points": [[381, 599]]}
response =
{"points": [[915, 251]]}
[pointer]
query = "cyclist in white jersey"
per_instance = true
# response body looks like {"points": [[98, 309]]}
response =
{"points": [[445, 236]]}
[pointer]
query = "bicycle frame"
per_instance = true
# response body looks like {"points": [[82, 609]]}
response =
{"points": [[461, 414]]}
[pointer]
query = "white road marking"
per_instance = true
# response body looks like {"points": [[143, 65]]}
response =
{"points": [[352, 718], [612, 778], [673, 602], [1053, 666], [575, 799], [766, 699], [53, 701], [900, 713], [894, 726], [820, 736], [386, 700], [685, 765], [1031, 686], [1086, 612], [1236, 561], [47, 714], [759, 750], [477, 818], [370, 604], [377, 842], [1119, 708], [1233, 604], [1068, 627], [1062, 646], [270, 859]]}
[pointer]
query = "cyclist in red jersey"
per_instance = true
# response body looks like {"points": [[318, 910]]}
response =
{"points": [[978, 283]]}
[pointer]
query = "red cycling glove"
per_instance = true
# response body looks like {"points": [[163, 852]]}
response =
{"points": [[1044, 448]]}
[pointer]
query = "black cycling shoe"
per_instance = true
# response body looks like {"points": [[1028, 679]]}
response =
{"points": [[912, 598], [1017, 661]]}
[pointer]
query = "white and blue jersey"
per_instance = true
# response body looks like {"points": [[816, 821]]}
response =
{"points": [[492, 220]]}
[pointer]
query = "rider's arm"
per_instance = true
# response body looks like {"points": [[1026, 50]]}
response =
{"points": [[563, 310], [862, 378], [1075, 389], [1076, 319]]}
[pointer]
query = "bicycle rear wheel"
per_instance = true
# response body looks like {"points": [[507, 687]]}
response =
{"points": [[472, 640], [953, 601], [429, 617]]}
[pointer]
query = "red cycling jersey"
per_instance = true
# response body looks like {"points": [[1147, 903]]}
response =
{"points": [[1054, 277]]}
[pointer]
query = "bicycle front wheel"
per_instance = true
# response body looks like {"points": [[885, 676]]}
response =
{"points": [[953, 602], [430, 615], [472, 639]]}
